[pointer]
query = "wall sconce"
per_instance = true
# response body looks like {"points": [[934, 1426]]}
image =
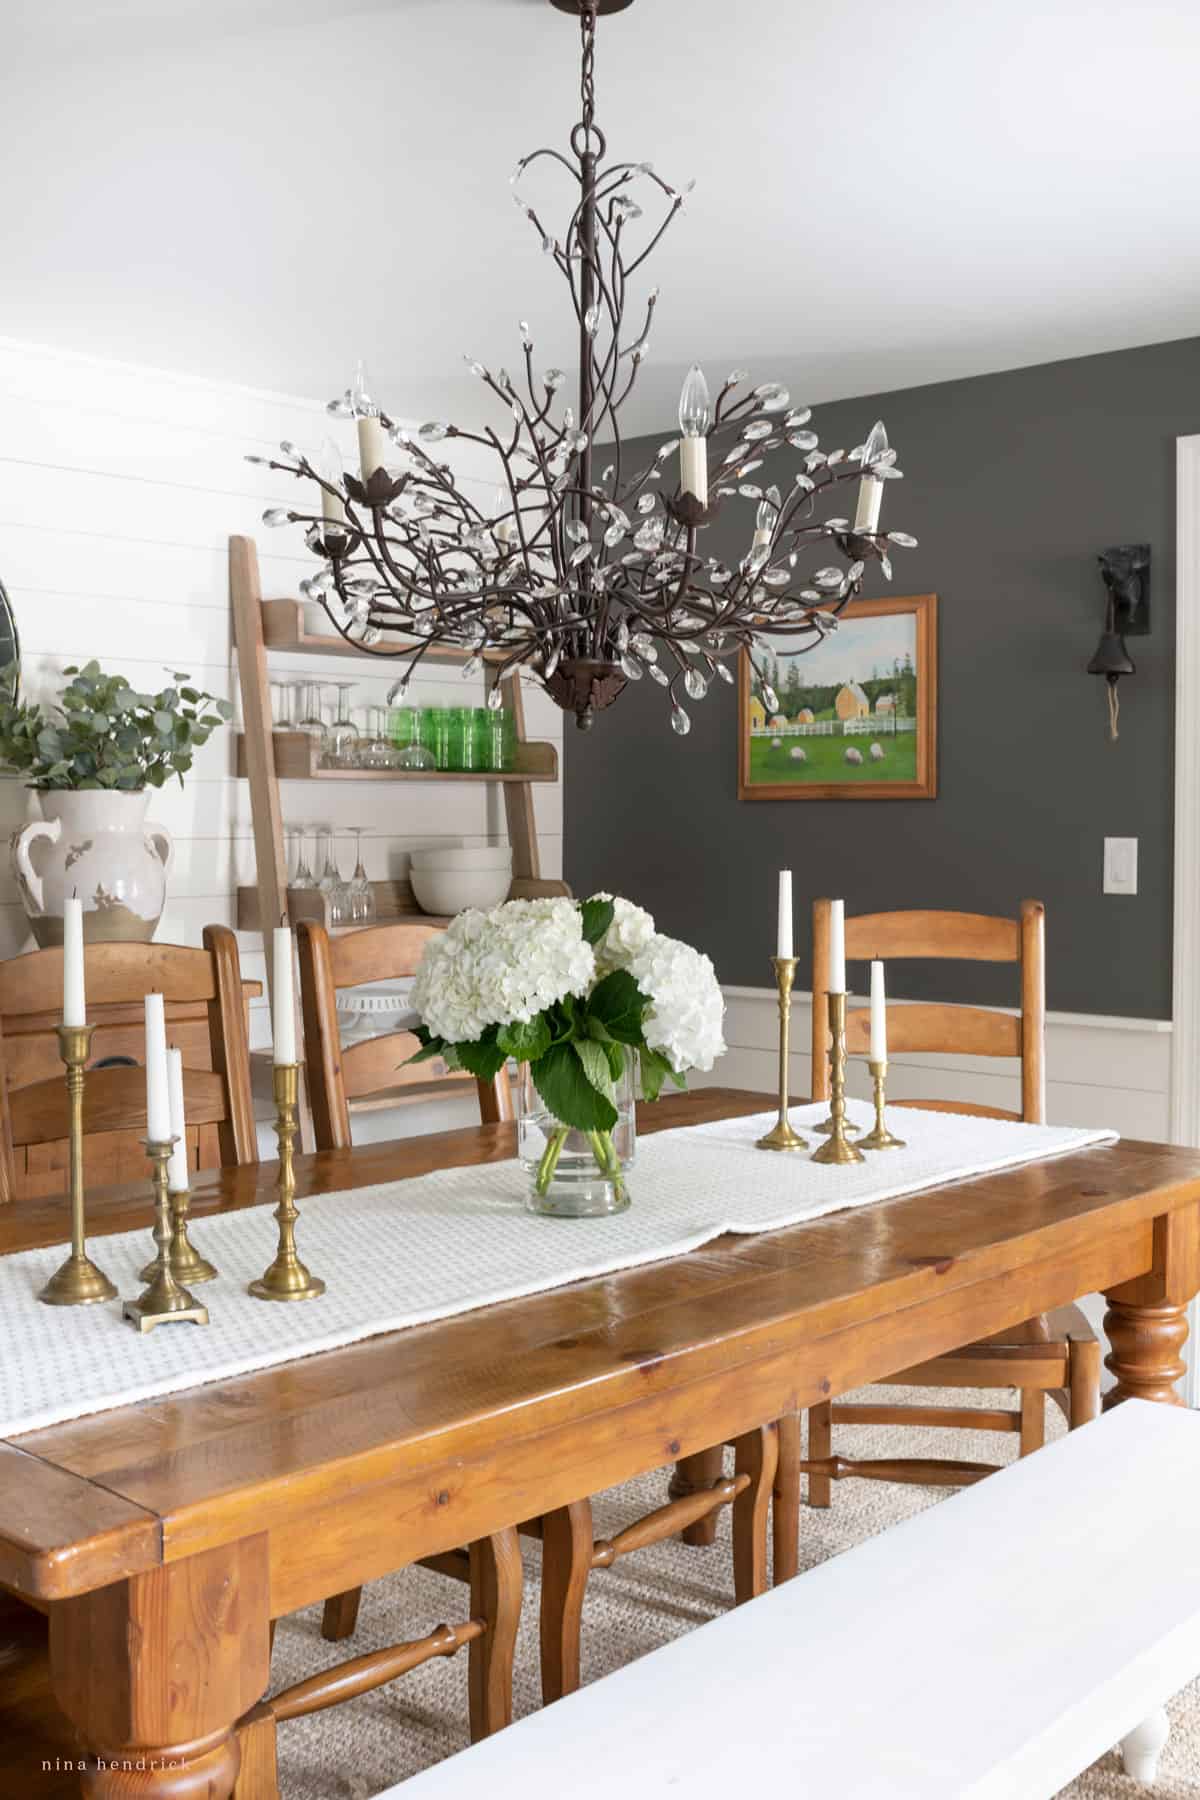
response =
{"points": [[1126, 573]]}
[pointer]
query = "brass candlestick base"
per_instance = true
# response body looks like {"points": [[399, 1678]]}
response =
{"points": [[837, 1147], [781, 1136], [880, 1138], [163, 1299], [77, 1282], [287, 1278], [187, 1264]]}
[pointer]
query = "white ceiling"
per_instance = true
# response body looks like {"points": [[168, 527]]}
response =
{"points": [[890, 191]]}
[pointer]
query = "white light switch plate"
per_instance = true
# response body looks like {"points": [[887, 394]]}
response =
{"points": [[1120, 865]]}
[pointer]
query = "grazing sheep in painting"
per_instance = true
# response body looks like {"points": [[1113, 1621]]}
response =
{"points": [[876, 752], [777, 743], [799, 755], [854, 757]]}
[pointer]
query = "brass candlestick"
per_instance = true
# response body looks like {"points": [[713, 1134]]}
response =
{"points": [[781, 1136], [187, 1264], [78, 1282], [880, 1138], [837, 1147], [163, 1299], [287, 1278]]}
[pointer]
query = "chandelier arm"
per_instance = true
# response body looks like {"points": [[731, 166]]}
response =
{"points": [[652, 246]]}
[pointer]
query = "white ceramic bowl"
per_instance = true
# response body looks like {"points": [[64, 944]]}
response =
{"points": [[455, 857], [447, 891], [469, 865]]}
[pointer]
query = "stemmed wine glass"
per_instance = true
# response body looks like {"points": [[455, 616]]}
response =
{"points": [[375, 752], [330, 880], [341, 739], [303, 878], [362, 894], [312, 719]]}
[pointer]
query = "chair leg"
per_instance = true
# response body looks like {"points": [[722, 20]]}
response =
{"points": [[820, 1446], [1083, 1380], [757, 1456], [496, 1598], [692, 1475], [785, 1505], [341, 1616], [1033, 1420], [566, 1565]]}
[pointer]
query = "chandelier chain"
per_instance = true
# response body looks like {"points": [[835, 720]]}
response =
{"points": [[587, 27]]}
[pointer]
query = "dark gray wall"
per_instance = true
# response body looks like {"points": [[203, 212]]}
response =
{"points": [[1012, 483]]}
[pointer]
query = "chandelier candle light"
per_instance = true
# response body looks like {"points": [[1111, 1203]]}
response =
{"points": [[879, 1137], [77, 1282], [164, 1299], [781, 1135], [286, 1278], [588, 578]]}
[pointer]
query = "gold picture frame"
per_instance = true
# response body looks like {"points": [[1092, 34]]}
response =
{"points": [[862, 723]]}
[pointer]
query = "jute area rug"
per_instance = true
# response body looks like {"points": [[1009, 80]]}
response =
{"points": [[357, 1750]]}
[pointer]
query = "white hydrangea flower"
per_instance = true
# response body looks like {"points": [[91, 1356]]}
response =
{"points": [[683, 1020], [497, 967], [631, 930]]}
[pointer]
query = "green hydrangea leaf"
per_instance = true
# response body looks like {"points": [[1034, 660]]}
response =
{"points": [[597, 916], [561, 1081]]}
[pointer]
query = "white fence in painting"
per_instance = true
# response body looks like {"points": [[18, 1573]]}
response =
{"points": [[887, 726]]}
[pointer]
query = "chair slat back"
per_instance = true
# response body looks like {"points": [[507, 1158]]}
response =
{"points": [[954, 1030], [376, 1066], [118, 976]]}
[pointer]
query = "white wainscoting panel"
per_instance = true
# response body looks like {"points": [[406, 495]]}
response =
{"points": [[119, 488]]}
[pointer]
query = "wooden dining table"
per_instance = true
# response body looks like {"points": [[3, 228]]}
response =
{"points": [[163, 1537]]}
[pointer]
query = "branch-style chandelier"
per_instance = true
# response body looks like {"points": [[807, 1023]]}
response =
{"points": [[590, 582]]}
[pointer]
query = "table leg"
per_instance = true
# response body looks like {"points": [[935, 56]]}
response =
{"points": [[156, 1671], [785, 1506], [496, 1577], [693, 1474], [1146, 1341], [567, 1536], [757, 1456]]}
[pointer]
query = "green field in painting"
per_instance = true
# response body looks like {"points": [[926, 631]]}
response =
{"points": [[826, 759]]}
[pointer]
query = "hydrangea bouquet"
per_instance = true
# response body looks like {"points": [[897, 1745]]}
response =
{"points": [[572, 989]]}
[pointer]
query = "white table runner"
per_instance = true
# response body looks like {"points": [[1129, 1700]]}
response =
{"points": [[406, 1252]]}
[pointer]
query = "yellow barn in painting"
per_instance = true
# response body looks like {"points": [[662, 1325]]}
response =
{"points": [[758, 713], [851, 702]]}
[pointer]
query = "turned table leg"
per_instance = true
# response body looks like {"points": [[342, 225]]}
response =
{"points": [[1146, 1342], [156, 1671], [693, 1474], [566, 1564]]}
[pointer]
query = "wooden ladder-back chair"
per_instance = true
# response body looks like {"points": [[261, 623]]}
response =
{"points": [[217, 1099], [377, 1065], [569, 1551], [1056, 1354]]}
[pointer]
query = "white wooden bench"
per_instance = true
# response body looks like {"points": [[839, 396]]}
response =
{"points": [[993, 1647]]}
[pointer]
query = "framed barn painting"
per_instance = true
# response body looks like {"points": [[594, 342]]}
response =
{"points": [[857, 716]]}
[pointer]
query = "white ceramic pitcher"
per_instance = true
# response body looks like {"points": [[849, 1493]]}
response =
{"points": [[96, 843]]}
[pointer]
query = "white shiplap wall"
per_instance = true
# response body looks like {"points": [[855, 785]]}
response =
{"points": [[119, 488]]}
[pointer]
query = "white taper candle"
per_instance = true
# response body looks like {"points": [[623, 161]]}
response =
{"points": [[177, 1168], [785, 946], [283, 1023], [158, 1105], [837, 946], [74, 1003], [878, 1014]]}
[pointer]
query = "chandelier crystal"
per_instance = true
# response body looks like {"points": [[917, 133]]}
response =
{"points": [[585, 576]]}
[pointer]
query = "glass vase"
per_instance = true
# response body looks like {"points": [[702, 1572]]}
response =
{"points": [[576, 1174]]}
